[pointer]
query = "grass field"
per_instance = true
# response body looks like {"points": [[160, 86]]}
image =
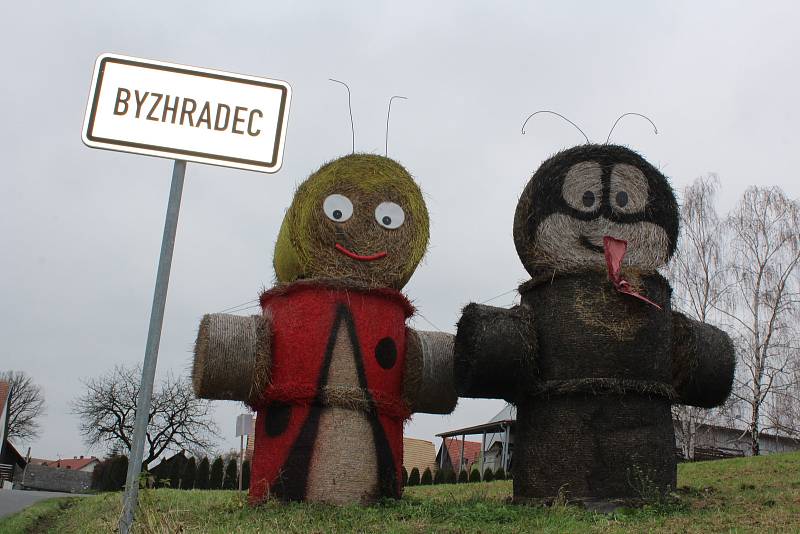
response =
{"points": [[741, 495]]}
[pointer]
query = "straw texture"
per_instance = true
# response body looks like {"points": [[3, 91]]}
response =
{"points": [[704, 362], [305, 246], [428, 384], [231, 357]]}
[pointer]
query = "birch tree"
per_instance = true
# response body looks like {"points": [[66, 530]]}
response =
{"points": [[698, 280], [763, 253]]}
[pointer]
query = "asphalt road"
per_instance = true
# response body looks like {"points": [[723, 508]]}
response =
{"points": [[12, 501]]}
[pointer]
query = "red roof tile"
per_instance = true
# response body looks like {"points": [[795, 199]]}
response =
{"points": [[75, 464], [472, 452]]}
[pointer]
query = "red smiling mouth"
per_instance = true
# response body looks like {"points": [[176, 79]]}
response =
{"points": [[351, 254]]}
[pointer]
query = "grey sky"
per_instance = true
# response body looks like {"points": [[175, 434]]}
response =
{"points": [[80, 229]]}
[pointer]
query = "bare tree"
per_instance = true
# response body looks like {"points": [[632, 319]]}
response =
{"points": [[698, 280], [177, 419], [764, 253], [26, 404], [782, 412]]}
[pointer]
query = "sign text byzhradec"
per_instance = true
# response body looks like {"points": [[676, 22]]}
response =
{"points": [[185, 111]]}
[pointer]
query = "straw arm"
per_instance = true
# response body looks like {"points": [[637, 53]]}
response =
{"points": [[495, 351], [703, 362], [428, 385], [232, 357]]}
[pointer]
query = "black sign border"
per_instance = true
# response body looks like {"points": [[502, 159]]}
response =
{"points": [[95, 97]]}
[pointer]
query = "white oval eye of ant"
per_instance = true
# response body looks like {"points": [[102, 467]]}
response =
{"points": [[337, 208], [390, 215]]}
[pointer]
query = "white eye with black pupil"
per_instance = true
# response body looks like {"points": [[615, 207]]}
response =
{"points": [[390, 215], [337, 208]]}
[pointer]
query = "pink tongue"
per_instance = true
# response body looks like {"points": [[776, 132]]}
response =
{"points": [[615, 251]]}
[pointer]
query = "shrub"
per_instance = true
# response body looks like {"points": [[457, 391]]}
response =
{"points": [[117, 473], [246, 475], [450, 476], [488, 475], [475, 475], [201, 478], [438, 478], [463, 476], [231, 475], [427, 478], [500, 474], [189, 474], [413, 478], [405, 477], [176, 471], [216, 475]]}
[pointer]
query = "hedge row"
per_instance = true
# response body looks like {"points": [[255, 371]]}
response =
{"points": [[448, 476], [179, 473]]}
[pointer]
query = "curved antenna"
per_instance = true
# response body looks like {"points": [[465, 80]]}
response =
{"points": [[625, 115], [350, 107], [559, 115], [389, 112]]}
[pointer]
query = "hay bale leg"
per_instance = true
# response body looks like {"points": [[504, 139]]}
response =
{"points": [[593, 447], [703, 362], [494, 351], [231, 357]]}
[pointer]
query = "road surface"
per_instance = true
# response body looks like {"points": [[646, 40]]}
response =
{"points": [[12, 501]]}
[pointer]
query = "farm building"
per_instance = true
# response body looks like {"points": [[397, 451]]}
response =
{"points": [[419, 453], [711, 441], [76, 463]]}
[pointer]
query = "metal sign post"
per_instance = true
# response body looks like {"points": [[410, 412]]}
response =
{"points": [[151, 350], [182, 113], [244, 427]]}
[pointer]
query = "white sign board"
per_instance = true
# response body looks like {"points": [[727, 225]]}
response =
{"points": [[187, 113], [244, 425]]}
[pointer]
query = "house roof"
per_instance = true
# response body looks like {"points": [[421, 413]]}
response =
{"points": [[472, 451], [76, 464], [418, 453]]}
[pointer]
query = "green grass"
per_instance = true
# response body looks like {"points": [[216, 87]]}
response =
{"points": [[742, 495]]}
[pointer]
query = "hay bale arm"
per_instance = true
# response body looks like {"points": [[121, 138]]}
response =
{"points": [[232, 357], [428, 385], [495, 351], [703, 362]]}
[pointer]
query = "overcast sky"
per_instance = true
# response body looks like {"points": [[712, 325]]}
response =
{"points": [[80, 229]]}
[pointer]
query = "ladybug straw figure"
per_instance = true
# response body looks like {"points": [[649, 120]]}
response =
{"points": [[330, 366], [594, 356]]}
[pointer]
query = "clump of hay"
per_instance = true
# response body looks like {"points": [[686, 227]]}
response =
{"points": [[305, 245]]}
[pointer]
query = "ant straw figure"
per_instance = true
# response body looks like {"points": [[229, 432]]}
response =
{"points": [[330, 365], [593, 357]]}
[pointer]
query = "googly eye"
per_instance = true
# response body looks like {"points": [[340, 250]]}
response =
{"points": [[629, 189], [583, 186], [337, 208], [390, 215]]}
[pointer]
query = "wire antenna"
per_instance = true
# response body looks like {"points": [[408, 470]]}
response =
{"points": [[558, 115], [388, 113], [350, 107], [625, 115]]}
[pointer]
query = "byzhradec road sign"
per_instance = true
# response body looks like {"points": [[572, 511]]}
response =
{"points": [[187, 113]]}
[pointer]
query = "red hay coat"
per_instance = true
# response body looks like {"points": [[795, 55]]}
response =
{"points": [[306, 317]]}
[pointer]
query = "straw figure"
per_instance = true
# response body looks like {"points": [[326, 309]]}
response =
{"points": [[593, 356], [330, 366]]}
